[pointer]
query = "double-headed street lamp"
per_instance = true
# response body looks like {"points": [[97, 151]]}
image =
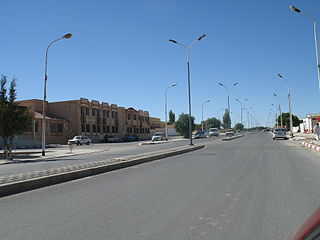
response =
{"points": [[187, 48], [293, 8], [276, 114], [289, 102], [228, 93], [279, 109], [165, 107], [202, 113], [241, 107], [67, 36]]}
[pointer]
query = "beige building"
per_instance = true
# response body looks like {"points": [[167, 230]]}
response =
{"points": [[66, 119]]}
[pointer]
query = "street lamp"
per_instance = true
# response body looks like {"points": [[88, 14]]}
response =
{"points": [[187, 48], [279, 108], [289, 102], [202, 113], [293, 8], [218, 113], [228, 93], [276, 113], [241, 107], [67, 36], [165, 107]]}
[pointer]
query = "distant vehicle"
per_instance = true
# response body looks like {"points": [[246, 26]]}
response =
{"points": [[214, 132], [79, 140], [201, 134], [279, 133], [230, 134], [157, 137], [130, 138], [112, 139]]}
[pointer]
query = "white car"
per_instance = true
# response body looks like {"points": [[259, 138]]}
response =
{"points": [[79, 140], [157, 137], [279, 133], [214, 132]]}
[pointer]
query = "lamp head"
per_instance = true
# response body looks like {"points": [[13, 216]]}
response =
{"points": [[203, 36], [67, 36], [173, 41], [293, 8]]}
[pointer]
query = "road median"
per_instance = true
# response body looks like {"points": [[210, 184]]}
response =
{"points": [[14, 184], [231, 138]]}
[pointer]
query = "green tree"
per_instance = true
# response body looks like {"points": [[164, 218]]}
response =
{"points": [[172, 117], [212, 123], [14, 119], [226, 120], [238, 127], [182, 125], [286, 120]]}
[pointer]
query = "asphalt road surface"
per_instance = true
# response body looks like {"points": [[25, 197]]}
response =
{"points": [[249, 188]]}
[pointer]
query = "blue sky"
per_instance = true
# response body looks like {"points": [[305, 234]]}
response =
{"points": [[119, 53]]}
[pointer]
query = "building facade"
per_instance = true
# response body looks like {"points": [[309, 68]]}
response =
{"points": [[83, 117]]}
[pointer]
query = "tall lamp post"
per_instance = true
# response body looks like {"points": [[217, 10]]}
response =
{"points": [[279, 109], [241, 107], [289, 102], [67, 36], [202, 113], [293, 8], [187, 48], [165, 107], [276, 114], [228, 93]]}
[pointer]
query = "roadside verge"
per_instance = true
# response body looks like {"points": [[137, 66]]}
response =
{"points": [[14, 184], [312, 146], [231, 138]]}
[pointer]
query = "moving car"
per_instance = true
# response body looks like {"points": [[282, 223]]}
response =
{"points": [[230, 134], [279, 133], [157, 137], [130, 138], [113, 139], [79, 140], [201, 134], [214, 132]]}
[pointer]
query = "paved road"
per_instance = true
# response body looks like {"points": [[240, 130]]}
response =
{"points": [[114, 150], [248, 188]]}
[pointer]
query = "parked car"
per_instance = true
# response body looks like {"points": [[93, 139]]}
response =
{"points": [[157, 137], [279, 133], [214, 132], [79, 140], [130, 138], [230, 134], [112, 139], [201, 134]]}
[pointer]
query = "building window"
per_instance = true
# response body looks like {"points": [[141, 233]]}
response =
{"points": [[98, 113], [112, 129], [129, 116], [87, 111], [36, 126], [104, 129], [98, 128], [108, 129], [82, 110], [104, 113], [128, 130], [94, 128], [134, 117], [107, 114], [116, 114], [112, 114], [116, 129], [88, 128], [94, 111], [56, 127], [83, 127]]}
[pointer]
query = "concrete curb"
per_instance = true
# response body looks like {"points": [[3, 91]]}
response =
{"points": [[25, 182], [231, 138], [312, 146]]}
